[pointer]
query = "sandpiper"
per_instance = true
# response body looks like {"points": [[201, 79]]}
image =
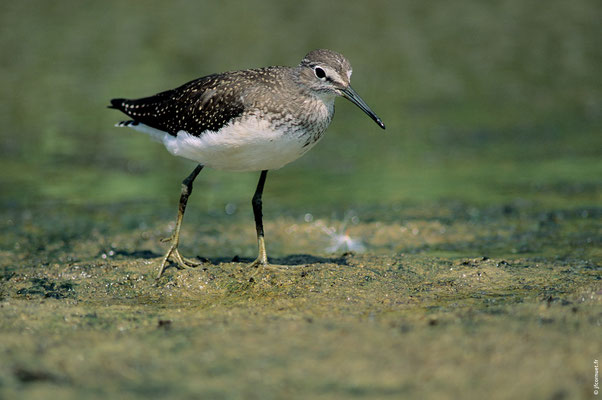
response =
{"points": [[248, 120]]}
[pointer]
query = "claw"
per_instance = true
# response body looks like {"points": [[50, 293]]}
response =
{"points": [[181, 262], [259, 263], [264, 266]]}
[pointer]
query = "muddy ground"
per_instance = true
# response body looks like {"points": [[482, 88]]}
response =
{"points": [[84, 316]]}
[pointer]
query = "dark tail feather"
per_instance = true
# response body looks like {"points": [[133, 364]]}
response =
{"points": [[117, 104]]}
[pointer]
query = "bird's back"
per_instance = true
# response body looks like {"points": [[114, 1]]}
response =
{"points": [[205, 104]]}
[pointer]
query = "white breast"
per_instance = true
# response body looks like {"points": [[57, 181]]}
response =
{"points": [[248, 145]]}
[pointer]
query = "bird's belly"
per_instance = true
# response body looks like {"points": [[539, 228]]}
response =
{"points": [[253, 145]]}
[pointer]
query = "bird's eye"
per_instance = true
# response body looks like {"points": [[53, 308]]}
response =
{"points": [[319, 73]]}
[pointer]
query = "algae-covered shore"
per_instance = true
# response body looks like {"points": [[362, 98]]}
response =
{"points": [[455, 255], [83, 316]]}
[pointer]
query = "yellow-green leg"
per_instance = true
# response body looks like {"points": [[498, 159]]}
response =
{"points": [[173, 251]]}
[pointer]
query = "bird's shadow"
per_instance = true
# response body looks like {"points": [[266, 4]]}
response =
{"points": [[288, 260]]}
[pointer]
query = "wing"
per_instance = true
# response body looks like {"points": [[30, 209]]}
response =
{"points": [[206, 103]]}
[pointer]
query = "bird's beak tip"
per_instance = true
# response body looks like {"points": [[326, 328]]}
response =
{"points": [[351, 95]]}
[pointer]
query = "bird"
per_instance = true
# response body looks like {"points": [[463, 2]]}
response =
{"points": [[247, 120]]}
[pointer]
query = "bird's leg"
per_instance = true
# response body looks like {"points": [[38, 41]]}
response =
{"points": [[262, 258], [175, 236]]}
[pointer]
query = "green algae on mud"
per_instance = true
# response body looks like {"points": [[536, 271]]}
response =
{"points": [[372, 327], [83, 316]]}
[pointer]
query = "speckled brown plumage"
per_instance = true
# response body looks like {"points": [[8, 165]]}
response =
{"points": [[206, 103], [211, 102]]}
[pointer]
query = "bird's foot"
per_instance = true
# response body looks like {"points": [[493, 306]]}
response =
{"points": [[260, 262], [171, 238], [181, 262], [262, 265]]}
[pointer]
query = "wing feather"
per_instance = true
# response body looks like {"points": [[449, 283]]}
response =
{"points": [[207, 103]]}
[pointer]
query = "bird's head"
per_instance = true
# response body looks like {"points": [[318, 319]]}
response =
{"points": [[328, 73]]}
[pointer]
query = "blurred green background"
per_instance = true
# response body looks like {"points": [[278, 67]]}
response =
{"points": [[484, 102]]}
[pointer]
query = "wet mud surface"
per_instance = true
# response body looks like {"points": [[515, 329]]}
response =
{"points": [[460, 304]]}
